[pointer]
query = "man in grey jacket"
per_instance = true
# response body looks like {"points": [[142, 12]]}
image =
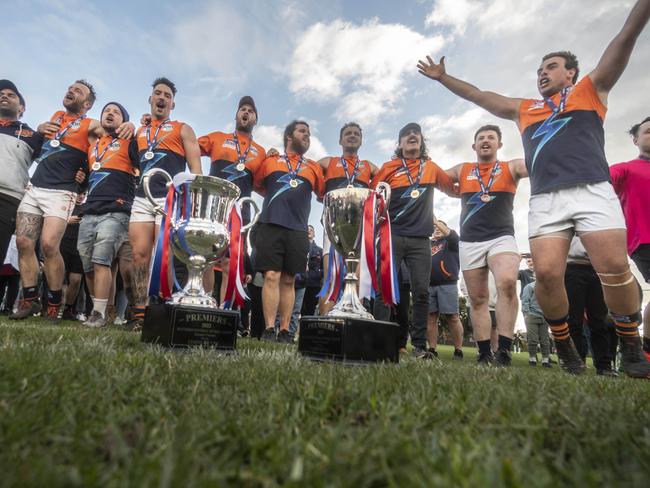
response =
{"points": [[536, 327]]}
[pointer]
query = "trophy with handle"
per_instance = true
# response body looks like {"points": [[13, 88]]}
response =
{"points": [[199, 236]]}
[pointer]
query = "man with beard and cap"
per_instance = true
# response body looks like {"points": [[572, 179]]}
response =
{"points": [[571, 193], [487, 189], [50, 197], [287, 183], [234, 157], [412, 177], [341, 172], [104, 227], [19, 145], [169, 145]]}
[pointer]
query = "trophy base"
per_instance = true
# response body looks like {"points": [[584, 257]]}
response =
{"points": [[348, 340], [183, 326]]}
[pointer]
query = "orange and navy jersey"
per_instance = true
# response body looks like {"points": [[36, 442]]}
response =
{"points": [[567, 149], [284, 204], [57, 166], [111, 187], [336, 178], [168, 153], [412, 217], [482, 221], [222, 150]]}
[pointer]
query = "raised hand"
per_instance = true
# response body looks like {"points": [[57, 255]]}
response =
{"points": [[430, 69]]}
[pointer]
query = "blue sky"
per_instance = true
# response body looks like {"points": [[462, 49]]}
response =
{"points": [[327, 62]]}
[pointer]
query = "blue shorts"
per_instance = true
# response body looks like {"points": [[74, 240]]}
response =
{"points": [[443, 299], [100, 238]]}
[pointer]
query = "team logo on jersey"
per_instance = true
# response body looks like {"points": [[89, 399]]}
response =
{"points": [[537, 104], [167, 128], [24, 133], [436, 248], [115, 146]]}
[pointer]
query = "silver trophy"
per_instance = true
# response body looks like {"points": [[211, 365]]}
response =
{"points": [[343, 219], [202, 238]]}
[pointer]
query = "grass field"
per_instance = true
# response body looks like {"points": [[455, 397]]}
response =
{"points": [[98, 408]]}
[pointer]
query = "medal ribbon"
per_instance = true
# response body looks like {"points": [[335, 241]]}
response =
{"points": [[241, 158], [98, 159], [558, 108], [355, 171], [485, 190], [388, 274], [334, 280], [408, 173], [293, 172], [151, 145], [368, 259], [235, 293], [62, 132]]}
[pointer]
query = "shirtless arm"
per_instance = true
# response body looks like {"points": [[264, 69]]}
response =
{"points": [[518, 169], [192, 149], [499, 105], [617, 54]]}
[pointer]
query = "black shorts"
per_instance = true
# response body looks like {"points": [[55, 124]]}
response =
{"points": [[641, 258], [280, 249]]}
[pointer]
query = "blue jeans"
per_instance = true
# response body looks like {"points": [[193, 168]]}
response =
{"points": [[297, 306]]}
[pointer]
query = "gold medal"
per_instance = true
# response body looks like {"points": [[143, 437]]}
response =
{"points": [[55, 143], [148, 155], [293, 183], [415, 193], [485, 197], [96, 166], [241, 167]]}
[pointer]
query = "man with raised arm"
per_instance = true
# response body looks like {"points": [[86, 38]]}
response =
{"points": [[162, 143], [50, 196], [348, 170], [487, 239], [563, 140]]}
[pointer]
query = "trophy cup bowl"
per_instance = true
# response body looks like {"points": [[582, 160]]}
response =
{"points": [[343, 219], [201, 238]]}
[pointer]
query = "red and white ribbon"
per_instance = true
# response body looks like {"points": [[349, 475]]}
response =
{"points": [[235, 293]]}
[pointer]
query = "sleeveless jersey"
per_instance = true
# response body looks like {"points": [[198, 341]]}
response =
{"points": [[284, 205], [111, 188], [412, 217], [57, 166], [169, 153], [567, 149], [336, 178], [482, 221]]}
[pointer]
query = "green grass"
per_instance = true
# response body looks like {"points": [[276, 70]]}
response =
{"points": [[98, 408]]}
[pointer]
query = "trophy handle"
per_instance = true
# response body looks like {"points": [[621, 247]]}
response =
{"points": [[383, 189], [254, 217], [147, 191]]}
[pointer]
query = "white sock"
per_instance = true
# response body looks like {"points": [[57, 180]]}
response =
{"points": [[545, 360], [100, 306]]}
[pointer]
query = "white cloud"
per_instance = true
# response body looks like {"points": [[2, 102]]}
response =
{"points": [[362, 67]]}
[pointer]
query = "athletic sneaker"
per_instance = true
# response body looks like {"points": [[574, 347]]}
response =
{"points": [[532, 362], [53, 312], [269, 335], [422, 353], [96, 320], [607, 372], [111, 313], [433, 352], [503, 358], [26, 308], [68, 313], [546, 364], [570, 360], [633, 359], [458, 354], [485, 359], [284, 337]]}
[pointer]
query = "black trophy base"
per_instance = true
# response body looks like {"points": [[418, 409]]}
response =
{"points": [[184, 326], [348, 340]]}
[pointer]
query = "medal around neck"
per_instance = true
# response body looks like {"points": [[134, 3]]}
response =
{"points": [[148, 155], [415, 194], [96, 166], [55, 143], [241, 167], [293, 183]]}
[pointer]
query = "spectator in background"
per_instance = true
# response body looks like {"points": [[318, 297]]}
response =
{"points": [[9, 278], [314, 275], [443, 287], [586, 302], [536, 326], [527, 275]]}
